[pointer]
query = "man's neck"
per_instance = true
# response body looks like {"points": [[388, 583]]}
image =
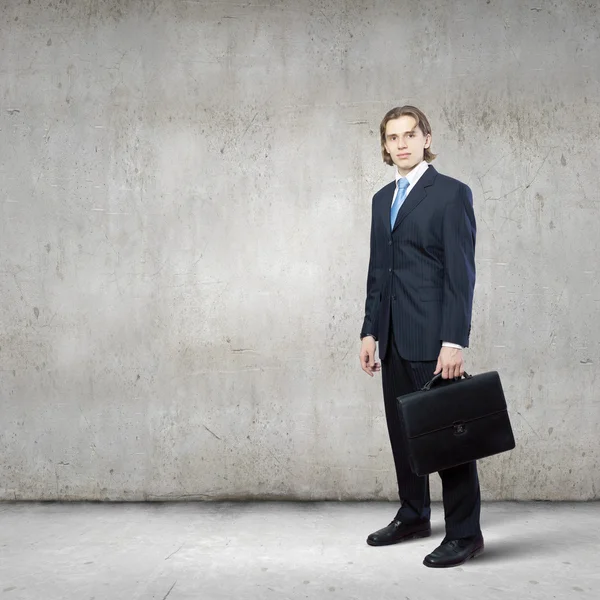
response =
{"points": [[404, 173]]}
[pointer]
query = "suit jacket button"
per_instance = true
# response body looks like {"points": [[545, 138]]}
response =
{"points": [[389, 242], [393, 297], [389, 270]]}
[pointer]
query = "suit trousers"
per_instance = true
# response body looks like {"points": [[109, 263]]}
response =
{"points": [[460, 485]]}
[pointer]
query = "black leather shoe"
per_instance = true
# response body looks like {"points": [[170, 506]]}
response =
{"points": [[397, 531], [454, 552]]}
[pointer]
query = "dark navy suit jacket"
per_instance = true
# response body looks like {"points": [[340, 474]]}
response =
{"points": [[422, 272]]}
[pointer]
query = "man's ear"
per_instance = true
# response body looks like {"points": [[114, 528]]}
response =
{"points": [[428, 140]]}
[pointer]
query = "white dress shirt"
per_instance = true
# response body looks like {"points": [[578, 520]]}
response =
{"points": [[413, 177]]}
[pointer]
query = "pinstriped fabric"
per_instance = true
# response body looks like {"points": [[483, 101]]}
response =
{"points": [[462, 501], [420, 293], [397, 380], [422, 272], [460, 484]]}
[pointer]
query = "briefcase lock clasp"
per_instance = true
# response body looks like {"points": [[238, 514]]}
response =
{"points": [[459, 427]]}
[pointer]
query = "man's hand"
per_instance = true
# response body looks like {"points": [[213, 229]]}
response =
{"points": [[367, 356], [450, 362]]}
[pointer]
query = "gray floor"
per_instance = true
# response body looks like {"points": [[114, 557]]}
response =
{"points": [[286, 550]]}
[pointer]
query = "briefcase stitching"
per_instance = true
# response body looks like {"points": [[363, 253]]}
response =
{"points": [[498, 412]]}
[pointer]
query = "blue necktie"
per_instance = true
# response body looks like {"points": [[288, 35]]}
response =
{"points": [[398, 200]]}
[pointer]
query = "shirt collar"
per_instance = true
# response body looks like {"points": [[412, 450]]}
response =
{"points": [[415, 174]]}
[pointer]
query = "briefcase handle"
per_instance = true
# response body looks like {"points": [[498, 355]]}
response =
{"points": [[437, 378]]}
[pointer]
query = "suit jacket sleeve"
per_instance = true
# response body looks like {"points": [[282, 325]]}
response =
{"points": [[459, 231], [371, 321]]}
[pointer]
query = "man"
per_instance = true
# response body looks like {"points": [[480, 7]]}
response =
{"points": [[418, 308]]}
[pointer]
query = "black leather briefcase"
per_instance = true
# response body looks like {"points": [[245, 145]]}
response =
{"points": [[453, 421]]}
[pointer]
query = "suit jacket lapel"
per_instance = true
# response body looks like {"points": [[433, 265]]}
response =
{"points": [[416, 195], [387, 205]]}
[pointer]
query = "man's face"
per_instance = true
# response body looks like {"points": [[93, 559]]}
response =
{"points": [[405, 143]]}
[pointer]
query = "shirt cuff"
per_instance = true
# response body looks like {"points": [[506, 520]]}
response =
{"points": [[452, 345], [364, 335]]}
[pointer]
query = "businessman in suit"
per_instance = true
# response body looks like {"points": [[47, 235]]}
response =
{"points": [[418, 309]]}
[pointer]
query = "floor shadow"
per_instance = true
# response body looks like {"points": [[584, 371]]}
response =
{"points": [[491, 517], [520, 548]]}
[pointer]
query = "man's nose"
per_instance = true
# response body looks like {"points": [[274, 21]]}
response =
{"points": [[401, 143]]}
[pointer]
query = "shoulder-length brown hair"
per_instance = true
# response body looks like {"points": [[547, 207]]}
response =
{"points": [[422, 124]]}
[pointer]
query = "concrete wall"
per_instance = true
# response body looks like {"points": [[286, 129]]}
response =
{"points": [[185, 202]]}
